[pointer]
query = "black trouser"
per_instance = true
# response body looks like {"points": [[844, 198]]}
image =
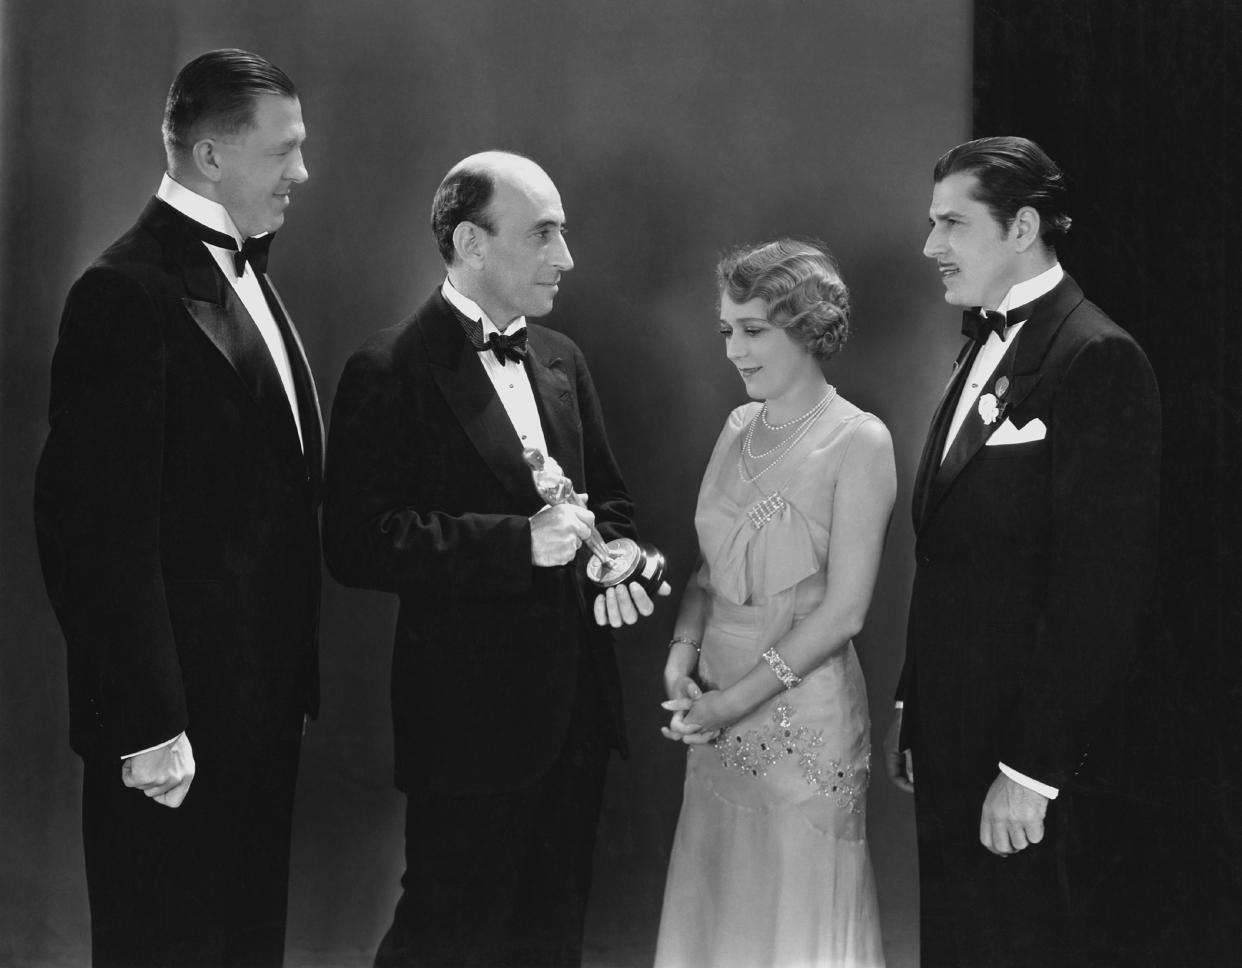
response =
{"points": [[204, 885], [1051, 905], [502, 879]]}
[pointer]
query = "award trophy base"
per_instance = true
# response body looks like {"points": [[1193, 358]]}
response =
{"points": [[629, 561]]}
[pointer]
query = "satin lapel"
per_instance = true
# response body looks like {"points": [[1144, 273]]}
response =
{"points": [[303, 382], [938, 431], [562, 427], [1045, 322], [469, 393], [229, 327]]}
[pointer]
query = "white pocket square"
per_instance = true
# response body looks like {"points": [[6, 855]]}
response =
{"points": [[1007, 433]]}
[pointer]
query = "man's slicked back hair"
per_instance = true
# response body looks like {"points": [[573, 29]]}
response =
{"points": [[1012, 173], [216, 92]]}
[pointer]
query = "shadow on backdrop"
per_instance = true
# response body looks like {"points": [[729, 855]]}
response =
{"points": [[1139, 103]]}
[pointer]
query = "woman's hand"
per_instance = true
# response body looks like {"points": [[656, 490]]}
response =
{"points": [[698, 717], [678, 730], [682, 658], [712, 712]]}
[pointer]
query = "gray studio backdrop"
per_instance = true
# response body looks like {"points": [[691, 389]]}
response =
{"points": [[673, 129]]}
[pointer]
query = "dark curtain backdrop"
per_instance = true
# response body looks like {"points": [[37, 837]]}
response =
{"points": [[673, 128], [1139, 101]]}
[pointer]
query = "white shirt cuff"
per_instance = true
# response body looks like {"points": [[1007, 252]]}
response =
{"points": [[1049, 791], [157, 746], [899, 704]]}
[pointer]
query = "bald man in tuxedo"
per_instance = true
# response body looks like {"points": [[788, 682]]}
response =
{"points": [[505, 691]]}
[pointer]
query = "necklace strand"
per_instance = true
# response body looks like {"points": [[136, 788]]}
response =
{"points": [[763, 412], [810, 416], [793, 440]]}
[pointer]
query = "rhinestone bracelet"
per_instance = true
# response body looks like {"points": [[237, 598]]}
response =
{"points": [[686, 639], [783, 672]]}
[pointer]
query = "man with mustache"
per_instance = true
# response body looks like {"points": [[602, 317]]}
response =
{"points": [[1035, 511]]}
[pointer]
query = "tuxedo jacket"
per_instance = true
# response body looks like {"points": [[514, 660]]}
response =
{"points": [[427, 496], [1035, 558], [176, 511]]}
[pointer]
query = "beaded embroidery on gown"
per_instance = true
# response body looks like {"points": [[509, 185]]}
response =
{"points": [[769, 866]]}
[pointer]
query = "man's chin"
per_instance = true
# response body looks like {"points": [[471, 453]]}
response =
{"points": [[542, 308], [271, 223]]}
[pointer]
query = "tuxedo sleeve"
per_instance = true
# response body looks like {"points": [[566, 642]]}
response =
{"points": [[608, 498], [1104, 473], [379, 532], [97, 515]]}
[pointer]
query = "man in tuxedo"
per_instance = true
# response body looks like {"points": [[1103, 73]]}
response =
{"points": [[1035, 512], [176, 509], [505, 690]]}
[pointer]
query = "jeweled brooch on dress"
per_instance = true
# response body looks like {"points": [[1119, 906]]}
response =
{"points": [[764, 511]]}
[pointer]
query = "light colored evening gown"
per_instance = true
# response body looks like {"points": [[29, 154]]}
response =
{"points": [[769, 866]]}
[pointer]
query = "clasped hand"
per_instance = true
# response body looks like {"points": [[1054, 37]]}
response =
{"points": [[1012, 818], [164, 774], [698, 716]]}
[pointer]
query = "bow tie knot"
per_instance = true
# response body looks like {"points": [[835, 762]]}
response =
{"points": [[978, 323], [507, 346], [254, 250]]}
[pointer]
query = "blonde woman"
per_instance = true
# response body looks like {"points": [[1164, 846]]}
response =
{"points": [[770, 864]]}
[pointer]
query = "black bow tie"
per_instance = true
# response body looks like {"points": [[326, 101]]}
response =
{"points": [[978, 323], [512, 347], [507, 346], [253, 250]]}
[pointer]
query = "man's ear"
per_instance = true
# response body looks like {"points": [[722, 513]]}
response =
{"points": [[206, 156], [470, 244], [1025, 228]]}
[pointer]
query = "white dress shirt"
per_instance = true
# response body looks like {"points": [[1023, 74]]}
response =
{"points": [[509, 378]]}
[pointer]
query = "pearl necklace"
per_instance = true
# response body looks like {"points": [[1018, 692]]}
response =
{"points": [[763, 412], [810, 416], [785, 446]]}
